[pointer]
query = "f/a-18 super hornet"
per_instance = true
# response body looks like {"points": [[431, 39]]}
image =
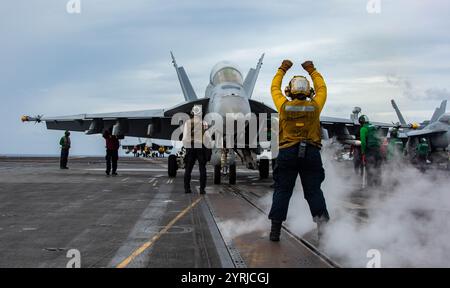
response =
{"points": [[436, 131], [438, 112], [227, 93]]}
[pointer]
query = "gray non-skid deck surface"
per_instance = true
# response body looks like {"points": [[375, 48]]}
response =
{"points": [[45, 211]]}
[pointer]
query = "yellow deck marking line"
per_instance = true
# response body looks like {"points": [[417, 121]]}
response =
{"points": [[155, 238]]}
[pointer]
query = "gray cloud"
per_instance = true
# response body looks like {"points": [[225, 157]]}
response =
{"points": [[412, 92], [437, 94]]}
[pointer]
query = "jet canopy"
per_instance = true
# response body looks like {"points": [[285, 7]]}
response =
{"points": [[226, 72]]}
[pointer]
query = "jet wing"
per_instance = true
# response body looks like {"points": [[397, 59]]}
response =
{"points": [[334, 120], [425, 132], [259, 107], [344, 129], [145, 123], [132, 123], [348, 122]]}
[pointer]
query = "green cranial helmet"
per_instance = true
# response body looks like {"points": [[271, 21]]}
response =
{"points": [[423, 140], [363, 119]]}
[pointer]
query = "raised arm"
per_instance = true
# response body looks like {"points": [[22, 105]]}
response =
{"points": [[319, 84], [275, 89]]}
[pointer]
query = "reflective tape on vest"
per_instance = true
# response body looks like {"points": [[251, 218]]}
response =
{"points": [[289, 108]]}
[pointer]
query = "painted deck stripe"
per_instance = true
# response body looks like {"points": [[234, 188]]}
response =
{"points": [[155, 238]]}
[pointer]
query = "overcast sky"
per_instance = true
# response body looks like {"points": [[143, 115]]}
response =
{"points": [[114, 56]]}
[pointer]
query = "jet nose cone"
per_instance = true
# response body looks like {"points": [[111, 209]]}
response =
{"points": [[233, 106]]}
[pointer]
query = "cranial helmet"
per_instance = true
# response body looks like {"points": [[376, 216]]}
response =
{"points": [[394, 132], [363, 119], [196, 110], [299, 85]]}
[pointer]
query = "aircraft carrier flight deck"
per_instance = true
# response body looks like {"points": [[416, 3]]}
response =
{"points": [[141, 218]]}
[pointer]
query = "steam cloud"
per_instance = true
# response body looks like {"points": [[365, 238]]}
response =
{"points": [[406, 219]]}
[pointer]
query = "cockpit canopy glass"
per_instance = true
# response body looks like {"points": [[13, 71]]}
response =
{"points": [[228, 74]]}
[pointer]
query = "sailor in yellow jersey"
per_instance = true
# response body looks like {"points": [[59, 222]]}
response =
{"points": [[300, 142]]}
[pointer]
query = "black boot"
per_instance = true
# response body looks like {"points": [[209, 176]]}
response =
{"points": [[321, 224], [275, 230]]}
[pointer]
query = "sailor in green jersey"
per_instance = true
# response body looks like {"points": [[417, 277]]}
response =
{"points": [[370, 151]]}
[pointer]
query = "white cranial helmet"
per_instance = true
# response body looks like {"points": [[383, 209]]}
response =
{"points": [[299, 85], [196, 110]]}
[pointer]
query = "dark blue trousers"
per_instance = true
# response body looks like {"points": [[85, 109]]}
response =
{"points": [[64, 158], [312, 174], [193, 154]]}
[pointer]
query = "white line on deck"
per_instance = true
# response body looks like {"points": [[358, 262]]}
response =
{"points": [[242, 171], [130, 169]]}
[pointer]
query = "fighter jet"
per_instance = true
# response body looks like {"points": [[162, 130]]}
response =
{"points": [[414, 126], [345, 131], [436, 131], [227, 93]]}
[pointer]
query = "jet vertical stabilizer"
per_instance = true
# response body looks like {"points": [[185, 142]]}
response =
{"points": [[186, 86], [252, 76], [439, 112]]}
